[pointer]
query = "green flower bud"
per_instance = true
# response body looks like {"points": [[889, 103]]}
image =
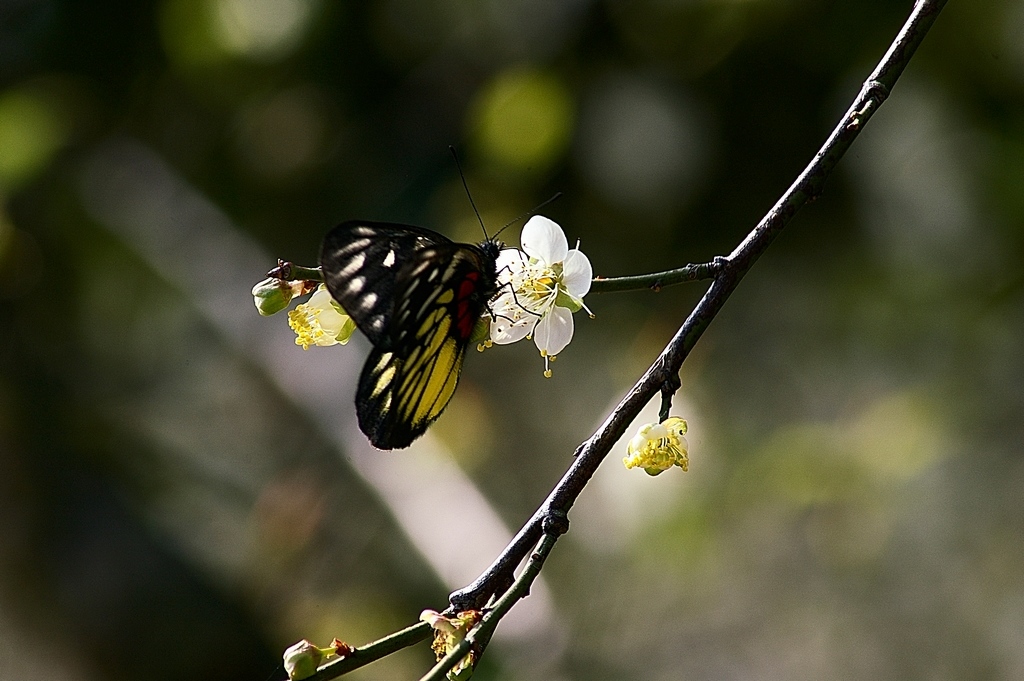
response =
{"points": [[272, 295], [301, 660]]}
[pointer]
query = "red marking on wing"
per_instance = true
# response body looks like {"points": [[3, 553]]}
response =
{"points": [[463, 320]]}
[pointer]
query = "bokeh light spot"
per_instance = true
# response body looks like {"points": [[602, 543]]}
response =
{"points": [[523, 119], [640, 145], [262, 29], [31, 132], [204, 32]]}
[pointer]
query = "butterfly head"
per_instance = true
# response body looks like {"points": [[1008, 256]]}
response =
{"points": [[492, 247]]}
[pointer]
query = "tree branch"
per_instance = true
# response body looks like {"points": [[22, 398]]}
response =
{"points": [[730, 270]]}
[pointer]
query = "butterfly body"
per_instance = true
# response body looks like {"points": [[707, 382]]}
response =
{"points": [[417, 297]]}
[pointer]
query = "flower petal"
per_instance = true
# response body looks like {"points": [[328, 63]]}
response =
{"points": [[505, 331], [510, 260], [320, 298], [544, 239], [554, 331], [577, 273]]}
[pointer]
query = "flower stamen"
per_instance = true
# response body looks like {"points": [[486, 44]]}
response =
{"points": [[320, 321], [659, 446]]}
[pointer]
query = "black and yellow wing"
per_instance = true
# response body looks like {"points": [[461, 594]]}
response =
{"points": [[417, 296]]}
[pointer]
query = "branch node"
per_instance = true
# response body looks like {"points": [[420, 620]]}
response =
{"points": [[873, 93], [718, 265], [876, 90], [556, 522]]}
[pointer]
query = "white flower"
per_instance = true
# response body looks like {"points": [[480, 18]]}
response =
{"points": [[540, 287], [320, 321]]}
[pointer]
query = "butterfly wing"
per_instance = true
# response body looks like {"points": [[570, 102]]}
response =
{"points": [[406, 384], [361, 262]]}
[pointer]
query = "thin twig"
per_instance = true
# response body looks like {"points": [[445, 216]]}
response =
{"points": [[656, 280], [808, 185], [372, 652]]}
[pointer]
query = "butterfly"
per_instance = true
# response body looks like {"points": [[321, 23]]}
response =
{"points": [[417, 297]]}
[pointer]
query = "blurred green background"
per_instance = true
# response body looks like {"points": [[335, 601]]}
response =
{"points": [[182, 490]]}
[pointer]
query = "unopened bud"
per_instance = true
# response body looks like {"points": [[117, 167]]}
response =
{"points": [[301, 660], [273, 295]]}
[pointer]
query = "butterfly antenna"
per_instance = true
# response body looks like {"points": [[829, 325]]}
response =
{"points": [[465, 186], [527, 214]]}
